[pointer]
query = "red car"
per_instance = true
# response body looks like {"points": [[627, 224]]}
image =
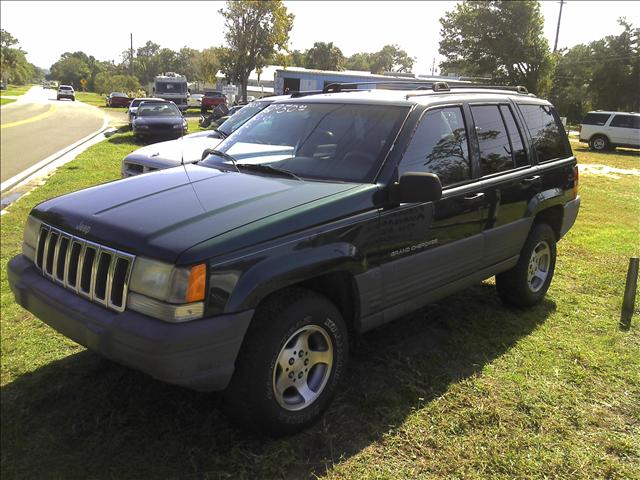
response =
{"points": [[211, 100], [118, 99]]}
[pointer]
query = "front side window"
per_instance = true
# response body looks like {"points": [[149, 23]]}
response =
{"points": [[625, 121], [439, 145], [547, 134], [495, 148], [324, 141]]}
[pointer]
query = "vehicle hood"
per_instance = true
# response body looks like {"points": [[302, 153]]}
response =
{"points": [[170, 153], [163, 214]]}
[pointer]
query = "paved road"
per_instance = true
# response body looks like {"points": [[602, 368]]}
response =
{"points": [[37, 126]]}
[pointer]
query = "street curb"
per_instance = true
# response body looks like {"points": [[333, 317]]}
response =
{"points": [[25, 175]]}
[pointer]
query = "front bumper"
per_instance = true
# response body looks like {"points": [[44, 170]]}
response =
{"points": [[199, 354]]}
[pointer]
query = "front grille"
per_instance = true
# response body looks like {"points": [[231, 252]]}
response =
{"points": [[98, 273]]}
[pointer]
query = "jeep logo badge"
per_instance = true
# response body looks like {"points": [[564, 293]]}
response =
{"points": [[84, 228]]}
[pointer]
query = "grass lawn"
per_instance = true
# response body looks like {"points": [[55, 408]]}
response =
{"points": [[4, 101], [15, 90], [466, 388]]}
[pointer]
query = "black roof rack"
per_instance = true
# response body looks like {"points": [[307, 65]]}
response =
{"points": [[305, 93], [438, 86], [351, 86]]}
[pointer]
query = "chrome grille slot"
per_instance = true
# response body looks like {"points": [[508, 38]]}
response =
{"points": [[61, 258], [86, 270], [50, 251], [99, 273]]}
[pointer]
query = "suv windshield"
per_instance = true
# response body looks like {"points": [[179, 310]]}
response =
{"points": [[241, 116], [343, 142], [158, 110]]}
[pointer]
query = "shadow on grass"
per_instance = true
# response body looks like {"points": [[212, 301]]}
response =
{"points": [[87, 417], [627, 152]]}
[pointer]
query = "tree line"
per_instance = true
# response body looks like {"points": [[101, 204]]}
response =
{"points": [[494, 41], [14, 66]]}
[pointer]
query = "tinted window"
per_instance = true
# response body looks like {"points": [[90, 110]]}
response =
{"points": [[517, 145], [495, 149], [547, 134], [625, 121], [315, 140], [439, 146], [595, 119]]}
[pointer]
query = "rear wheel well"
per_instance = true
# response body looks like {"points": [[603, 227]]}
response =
{"points": [[552, 216]]}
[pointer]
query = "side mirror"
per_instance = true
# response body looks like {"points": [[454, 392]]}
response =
{"points": [[416, 187]]}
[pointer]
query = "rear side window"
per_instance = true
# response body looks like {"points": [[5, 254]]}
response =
{"points": [[595, 119], [517, 145], [547, 134], [495, 148], [439, 146], [626, 121]]}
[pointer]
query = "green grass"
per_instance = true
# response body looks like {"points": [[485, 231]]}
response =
{"points": [[15, 90], [4, 101], [91, 98], [619, 158], [466, 388]]}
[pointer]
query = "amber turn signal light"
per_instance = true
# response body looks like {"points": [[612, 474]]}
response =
{"points": [[197, 283]]}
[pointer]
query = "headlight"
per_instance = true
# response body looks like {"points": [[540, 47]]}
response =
{"points": [[30, 239], [173, 294]]}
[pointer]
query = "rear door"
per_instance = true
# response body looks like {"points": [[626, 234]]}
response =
{"points": [[509, 180], [427, 245]]}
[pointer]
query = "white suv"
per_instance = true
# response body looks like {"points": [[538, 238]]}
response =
{"points": [[606, 130], [66, 91]]}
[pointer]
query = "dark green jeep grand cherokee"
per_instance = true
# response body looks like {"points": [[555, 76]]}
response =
{"points": [[322, 217]]}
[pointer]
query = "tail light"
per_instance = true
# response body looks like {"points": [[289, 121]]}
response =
{"points": [[576, 176]]}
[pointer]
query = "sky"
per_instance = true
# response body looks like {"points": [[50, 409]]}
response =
{"points": [[45, 30]]}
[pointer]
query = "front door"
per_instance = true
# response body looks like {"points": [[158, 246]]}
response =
{"points": [[424, 246]]}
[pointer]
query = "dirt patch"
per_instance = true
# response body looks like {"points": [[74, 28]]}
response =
{"points": [[605, 170]]}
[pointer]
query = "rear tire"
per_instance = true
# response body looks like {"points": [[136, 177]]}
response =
{"points": [[599, 143], [527, 283], [292, 360]]}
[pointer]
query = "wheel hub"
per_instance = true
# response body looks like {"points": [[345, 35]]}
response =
{"points": [[303, 368], [538, 268]]}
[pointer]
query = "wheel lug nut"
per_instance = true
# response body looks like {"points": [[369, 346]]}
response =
{"points": [[291, 374], [300, 375], [291, 360], [306, 362], [300, 353]]}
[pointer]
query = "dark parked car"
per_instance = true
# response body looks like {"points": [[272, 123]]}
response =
{"points": [[321, 218], [133, 106], [160, 119], [211, 99], [189, 149], [118, 99]]}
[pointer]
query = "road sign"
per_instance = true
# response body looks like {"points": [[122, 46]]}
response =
{"points": [[230, 90]]}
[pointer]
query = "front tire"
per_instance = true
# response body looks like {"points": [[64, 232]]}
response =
{"points": [[527, 283], [600, 143], [292, 360]]}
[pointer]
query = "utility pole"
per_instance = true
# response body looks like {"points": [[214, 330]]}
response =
{"points": [[555, 45], [433, 66], [131, 54]]}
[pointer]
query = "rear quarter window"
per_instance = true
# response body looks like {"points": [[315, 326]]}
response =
{"points": [[547, 133], [626, 121], [595, 119]]}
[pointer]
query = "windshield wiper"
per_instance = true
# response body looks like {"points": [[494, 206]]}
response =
{"points": [[221, 133], [213, 151], [268, 169]]}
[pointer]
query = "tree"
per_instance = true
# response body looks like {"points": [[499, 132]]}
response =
{"points": [[254, 30], [106, 83], [145, 63], [186, 61], [499, 39], [71, 68], [14, 66], [324, 56], [390, 59], [359, 61], [208, 64]]}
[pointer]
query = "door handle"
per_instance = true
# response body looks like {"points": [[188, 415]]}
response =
{"points": [[474, 198], [534, 179]]}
